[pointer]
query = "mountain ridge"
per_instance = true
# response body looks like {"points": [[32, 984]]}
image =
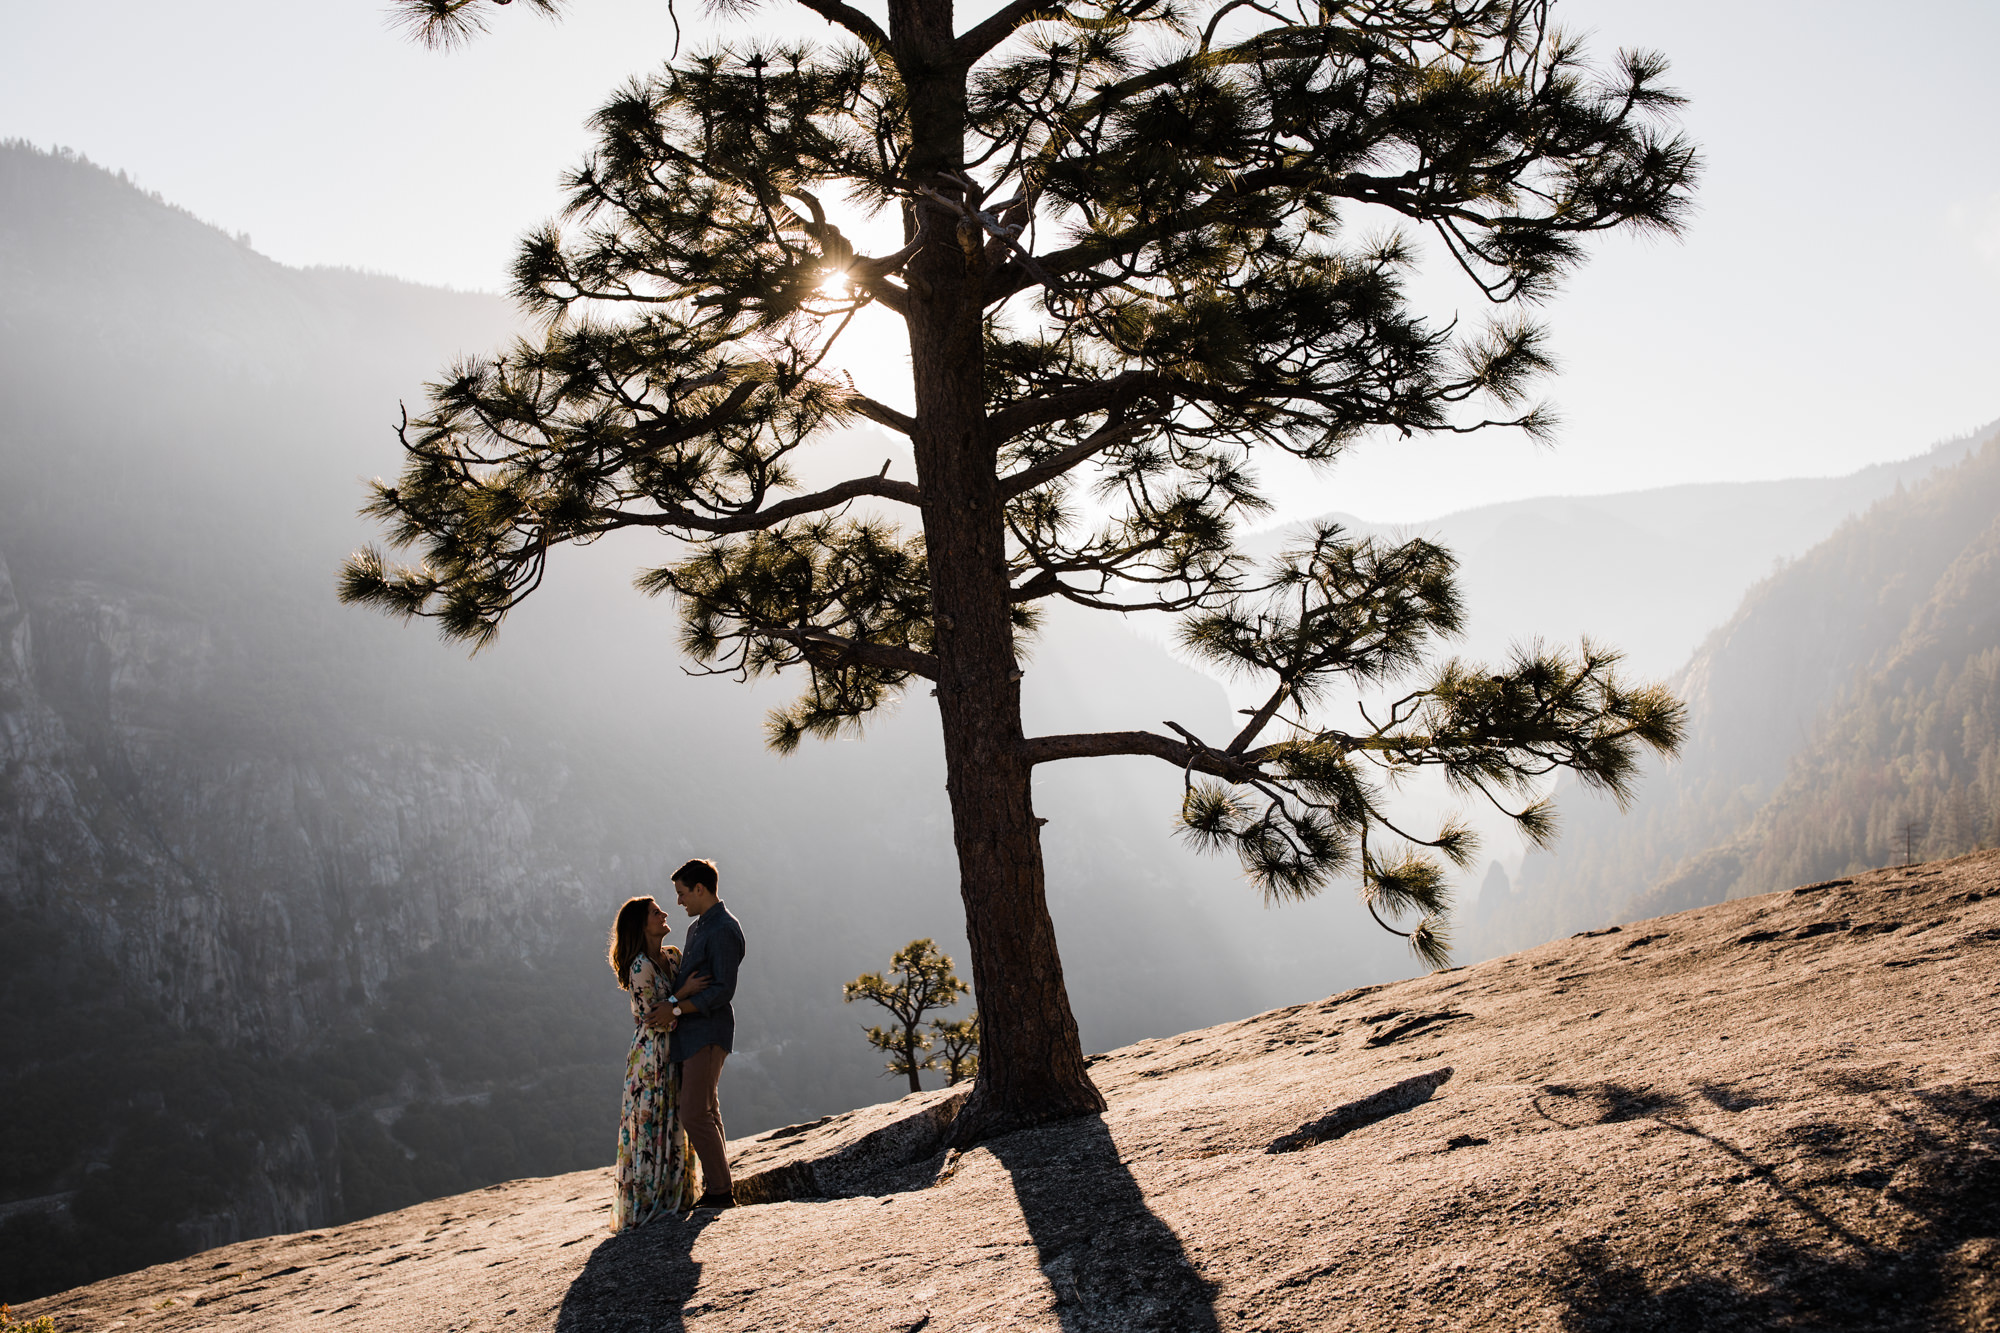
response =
{"points": [[1907, 581], [1710, 543]]}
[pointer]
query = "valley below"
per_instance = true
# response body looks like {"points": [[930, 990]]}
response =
{"points": [[1773, 1112]]}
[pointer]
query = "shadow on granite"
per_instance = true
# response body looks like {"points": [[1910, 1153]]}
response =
{"points": [[1111, 1262], [639, 1281], [1944, 1272]]}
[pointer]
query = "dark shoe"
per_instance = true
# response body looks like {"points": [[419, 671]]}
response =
{"points": [[714, 1202]]}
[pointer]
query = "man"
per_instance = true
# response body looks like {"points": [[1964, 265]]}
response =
{"points": [[704, 1024]]}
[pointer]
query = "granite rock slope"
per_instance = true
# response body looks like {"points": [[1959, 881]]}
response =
{"points": [[1777, 1112]]}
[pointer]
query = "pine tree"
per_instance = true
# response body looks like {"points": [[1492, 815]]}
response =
{"points": [[957, 1041], [920, 980], [1135, 243]]}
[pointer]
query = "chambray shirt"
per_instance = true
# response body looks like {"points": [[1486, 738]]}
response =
{"points": [[714, 946]]}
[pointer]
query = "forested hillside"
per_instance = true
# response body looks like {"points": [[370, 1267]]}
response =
{"points": [[1906, 764], [1846, 716], [265, 867]]}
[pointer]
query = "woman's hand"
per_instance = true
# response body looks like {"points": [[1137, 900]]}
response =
{"points": [[694, 985]]}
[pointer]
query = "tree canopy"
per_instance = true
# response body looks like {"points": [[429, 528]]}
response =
{"points": [[1133, 244]]}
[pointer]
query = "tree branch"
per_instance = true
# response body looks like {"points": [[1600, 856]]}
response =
{"points": [[871, 275], [884, 292], [1104, 395], [1098, 744], [1029, 270], [1401, 193], [983, 37], [1014, 483], [903, 492], [884, 415], [1261, 718], [977, 41], [657, 436], [852, 19], [831, 650]]}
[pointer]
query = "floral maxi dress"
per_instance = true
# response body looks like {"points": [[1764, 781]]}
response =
{"points": [[657, 1175]]}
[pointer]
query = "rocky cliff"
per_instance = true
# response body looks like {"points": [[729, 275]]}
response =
{"points": [[1780, 1112], [243, 837], [301, 915], [193, 897], [254, 890]]}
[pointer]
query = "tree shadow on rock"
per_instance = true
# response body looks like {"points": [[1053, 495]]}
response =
{"points": [[1605, 1103], [1935, 1274], [639, 1281], [1111, 1263]]}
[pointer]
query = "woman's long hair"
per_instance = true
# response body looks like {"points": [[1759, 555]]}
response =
{"points": [[628, 937]]}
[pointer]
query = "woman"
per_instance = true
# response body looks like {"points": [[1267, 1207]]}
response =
{"points": [[657, 1174]]}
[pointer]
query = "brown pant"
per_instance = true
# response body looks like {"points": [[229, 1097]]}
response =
{"points": [[701, 1115]]}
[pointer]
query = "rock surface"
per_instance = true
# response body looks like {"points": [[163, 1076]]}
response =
{"points": [[1778, 1112]]}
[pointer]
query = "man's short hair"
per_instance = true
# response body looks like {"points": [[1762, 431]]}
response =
{"points": [[697, 873]]}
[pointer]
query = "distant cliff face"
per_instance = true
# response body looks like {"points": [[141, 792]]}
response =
{"points": [[253, 854], [250, 887], [1905, 762], [205, 921]]}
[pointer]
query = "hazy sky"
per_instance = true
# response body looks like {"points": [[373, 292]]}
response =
{"points": [[1831, 305]]}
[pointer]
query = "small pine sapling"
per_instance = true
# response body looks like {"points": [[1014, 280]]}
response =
{"points": [[919, 981], [957, 1043]]}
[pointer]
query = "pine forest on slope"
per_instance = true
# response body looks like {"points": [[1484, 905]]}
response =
{"points": [[1846, 717]]}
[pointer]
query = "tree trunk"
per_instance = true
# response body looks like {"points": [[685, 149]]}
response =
{"points": [[910, 1055], [1031, 1065]]}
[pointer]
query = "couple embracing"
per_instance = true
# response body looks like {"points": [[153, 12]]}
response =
{"points": [[684, 1030]]}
